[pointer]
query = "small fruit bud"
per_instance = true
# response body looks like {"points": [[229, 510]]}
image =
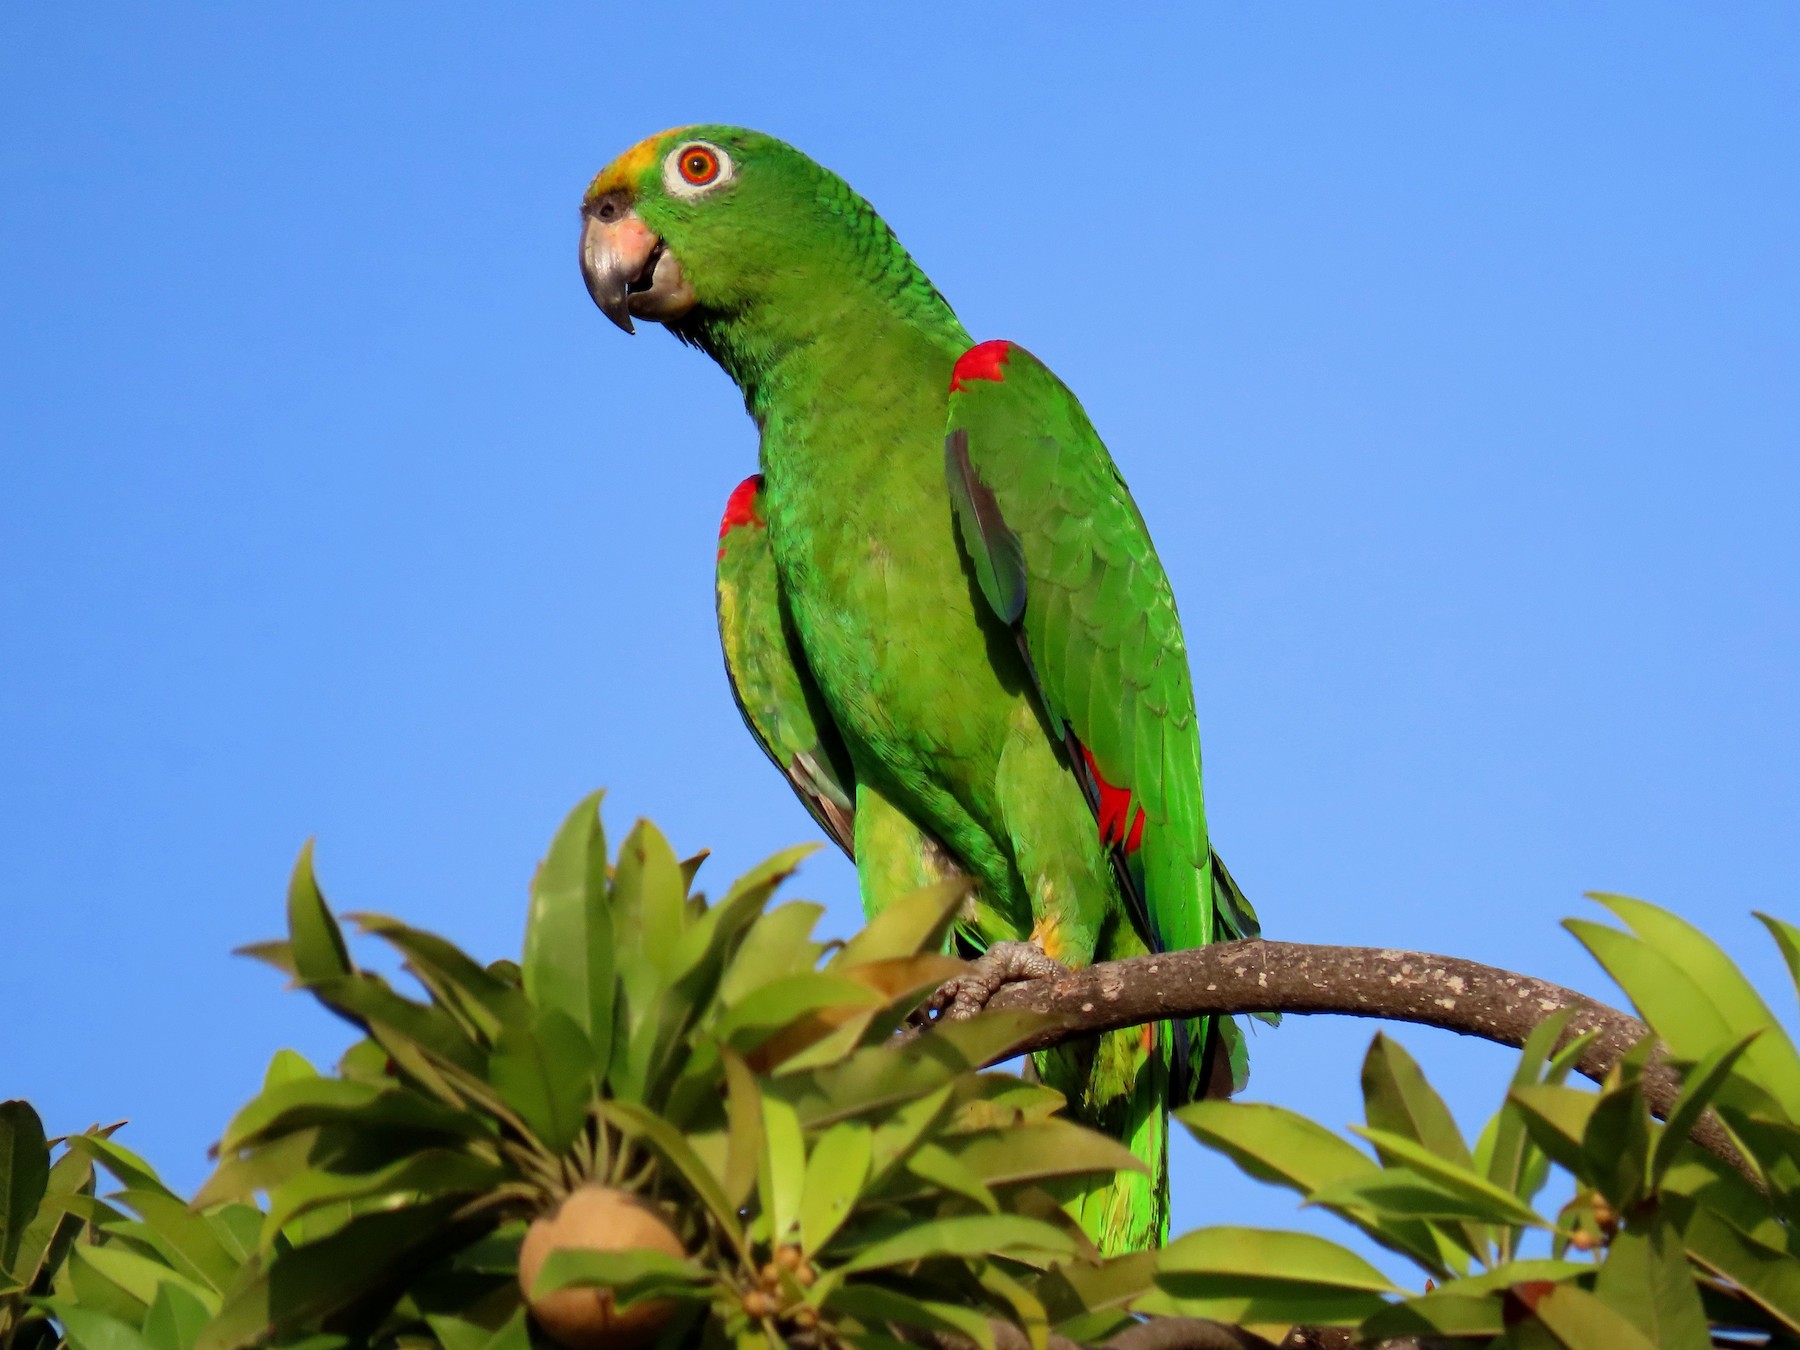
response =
{"points": [[790, 1256], [769, 1276], [758, 1305], [1584, 1241], [1605, 1215], [806, 1318], [805, 1276]]}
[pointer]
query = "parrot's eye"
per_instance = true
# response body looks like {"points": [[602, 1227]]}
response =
{"points": [[695, 168], [699, 166]]}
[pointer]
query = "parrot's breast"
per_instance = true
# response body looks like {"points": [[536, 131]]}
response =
{"points": [[883, 604]]}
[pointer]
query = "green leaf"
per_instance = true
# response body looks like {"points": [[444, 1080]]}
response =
{"points": [[568, 937], [1268, 1254], [1274, 1144], [304, 1103], [1698, 1088], [454, 979], [311, 1282], [1787, 938], [744, 1126], [1646, 1277], [649, 895], [1048, 1148], [432, 1172], [900, 985], [24, 1175], [1557, 1118], [175, 1319], [631, 1275], [239, 1177], [679, 1154], [399, 1023], [90, 1329], [1400, 1194], [1771, 1060], [777, 943], [1502, 1153], [1076, 1289], [276, 952], [139, 1275], [544, 1072], [967, 1235], [1579, 1320], [1459, 1179], [876, 1306], [835, 1174], [782, 1180], [94, 1289], [318, 950], [1769, 1277], [1444, 1313], [1398, 1101], [900, 1131], [1615, 1146], [909, 924], [1470, 1306], [46, 1239], [762, 880], [287, 1066], [191, 1243], [1663, 992], [131, 1170], [1225, 1298], [777, 1006], [936, 1166]]}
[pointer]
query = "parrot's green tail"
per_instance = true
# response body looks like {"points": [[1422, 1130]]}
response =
{"points": [[1119, 1086]]}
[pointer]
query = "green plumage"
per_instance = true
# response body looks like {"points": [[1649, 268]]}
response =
{"points": [[958, 593]]}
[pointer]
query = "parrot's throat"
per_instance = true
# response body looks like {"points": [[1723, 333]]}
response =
{"points": [[790, 356]]}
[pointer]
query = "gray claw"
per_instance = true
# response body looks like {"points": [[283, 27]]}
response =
{"points": [[1002, 964]]}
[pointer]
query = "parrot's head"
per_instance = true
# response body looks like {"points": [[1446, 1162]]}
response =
{"points": [[710, 224]]}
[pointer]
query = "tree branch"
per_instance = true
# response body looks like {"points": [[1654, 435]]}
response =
{"points": [[1301, 978]]}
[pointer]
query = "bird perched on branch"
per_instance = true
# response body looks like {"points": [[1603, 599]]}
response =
{"points": [[941, 611]]}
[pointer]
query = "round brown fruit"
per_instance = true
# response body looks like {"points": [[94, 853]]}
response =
{"points": [[596, 1219]]}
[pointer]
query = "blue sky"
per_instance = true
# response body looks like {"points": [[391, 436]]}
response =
{"points": [[1450, 350]]}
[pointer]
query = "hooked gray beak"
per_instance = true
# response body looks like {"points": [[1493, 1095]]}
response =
{"points": [[630, 271]]}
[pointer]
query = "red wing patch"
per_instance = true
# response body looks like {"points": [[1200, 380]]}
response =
{"points": [[1121, 819], [984, 361], [740, 507]]}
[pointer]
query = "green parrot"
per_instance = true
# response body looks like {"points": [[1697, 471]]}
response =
{"points": [[941, 611]]}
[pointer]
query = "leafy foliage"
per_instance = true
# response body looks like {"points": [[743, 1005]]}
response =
{"points": [[1662, 1244], [136, 1270], [827, 1183], [823, 1183]]}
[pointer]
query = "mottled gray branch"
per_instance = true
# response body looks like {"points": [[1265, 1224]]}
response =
{"points": [[1302, 978]]}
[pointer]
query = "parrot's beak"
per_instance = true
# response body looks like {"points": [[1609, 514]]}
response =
{"points": [[628, 269]]}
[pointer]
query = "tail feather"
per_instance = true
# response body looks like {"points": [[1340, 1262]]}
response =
{"points": [[1115, 1086]]}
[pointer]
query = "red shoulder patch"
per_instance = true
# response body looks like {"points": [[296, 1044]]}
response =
{"points": [[984, 361], [740, 507], [1121, 819]]}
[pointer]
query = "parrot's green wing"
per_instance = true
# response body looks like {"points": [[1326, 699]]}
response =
{"points": [[769, 679], [1061, 552]]}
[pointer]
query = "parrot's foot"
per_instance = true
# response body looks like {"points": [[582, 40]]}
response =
{"points": [[1001, 964]]}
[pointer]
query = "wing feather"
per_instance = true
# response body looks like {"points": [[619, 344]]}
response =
{"points": [[769, 678], [1061, 551]]}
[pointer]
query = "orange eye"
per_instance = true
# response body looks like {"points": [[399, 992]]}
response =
{"points": [[699, 165]]}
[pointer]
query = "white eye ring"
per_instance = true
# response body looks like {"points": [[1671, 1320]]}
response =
{"points": [[685, 170]]}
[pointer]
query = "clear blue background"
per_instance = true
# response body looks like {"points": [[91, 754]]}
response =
{"points": [[1449, 348]]}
